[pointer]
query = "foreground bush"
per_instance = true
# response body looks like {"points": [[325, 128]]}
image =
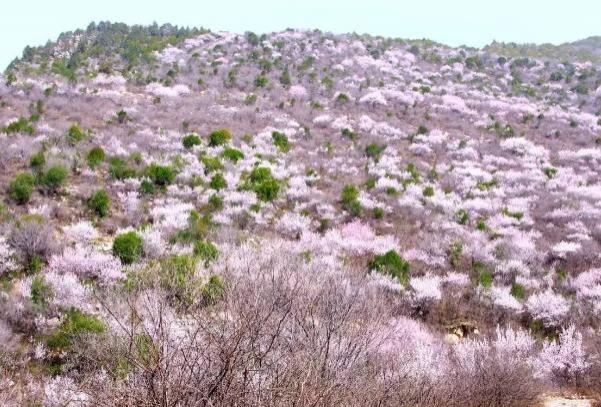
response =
{"points": [[21, 187], [128, 247], [219, 137], [391, 264], [160, 175], [99, 202], [54, 178]]}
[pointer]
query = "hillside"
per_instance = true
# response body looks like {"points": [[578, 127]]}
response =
{"points": [[298, 218]]}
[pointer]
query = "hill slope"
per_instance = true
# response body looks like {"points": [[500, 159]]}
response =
{"points": [[193, 217]]}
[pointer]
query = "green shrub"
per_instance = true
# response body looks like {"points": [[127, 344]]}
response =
{"points": [[95, 157], [261, 81], [378, 213], [190, 141], [22, 125], [147, 187], [342, 98], [211, 163], [99, 202], [263, 184], [485, 279], [40, 292], [118, 169], [285, 78], [349, 194], [21, 187], [207, 251], [122, 116], [128, 247], [212, 291], [455, 252], [350, 200], [374, 151], [75, 134], [250, 99], [219, 137], [75, 323], [391, 264], [216, 202], [55, 177], [218, 181], [349, 134], [428, 191], [422, 130], [581, 89], [518, 291], [177, 276], [280, 141], [463, 217], [37, 162], [233, 155], [160, 175]]}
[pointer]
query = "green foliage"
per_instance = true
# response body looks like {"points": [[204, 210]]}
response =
{"points": [[37, 162], [40, 292], [21, 187], [233, 154], [455, 252], [128, 247], [342, 98], [147, 187], [250, 99], [349, 134], [252, 38], [219, 137], [280, 141], [261, 81], [581, 89], [75, 134], [213, 291], [349, 194], [95, 157], [122, 116], [211, 164], [374, 151], [160, 175], [463, 217], [75, 323], [218, 181], [216, 202], [100, 202], [518, 291], [422, 130], [485, 279], [54, 178], [21, 125], [378, 213], [285, 78], [263, 183], [428, 191], [391, 264], [350, 200], [63, 68], [118, 169], [177, 275], [474, 62], [550, 172], [206, 251], [190, 141]]}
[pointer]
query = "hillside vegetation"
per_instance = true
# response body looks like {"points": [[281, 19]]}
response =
{"points": [[298, 218]]}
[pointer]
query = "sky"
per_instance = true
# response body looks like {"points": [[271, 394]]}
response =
{"points": [[453, 22]]}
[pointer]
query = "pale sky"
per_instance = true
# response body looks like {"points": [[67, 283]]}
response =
{"points": [[453, 22]]}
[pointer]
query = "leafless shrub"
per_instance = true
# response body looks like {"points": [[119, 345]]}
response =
{"points": [[32, 238]]}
